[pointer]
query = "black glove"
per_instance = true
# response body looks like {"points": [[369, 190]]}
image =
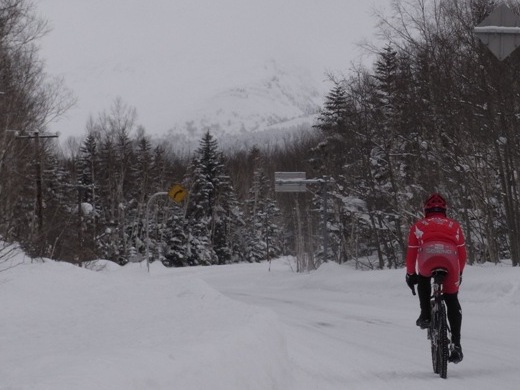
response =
{"points": [[412, 280]]}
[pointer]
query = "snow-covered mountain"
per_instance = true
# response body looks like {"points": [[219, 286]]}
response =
{"points": [[194, 65], [271, 104]]}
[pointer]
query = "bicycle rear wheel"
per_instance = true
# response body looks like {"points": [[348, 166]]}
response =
{"points": [[444, 345], [439, 340], [434, 338]]}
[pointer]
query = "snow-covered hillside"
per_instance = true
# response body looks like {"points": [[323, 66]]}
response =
{"points": [[272, 96], [242, 327], [272, 103]]}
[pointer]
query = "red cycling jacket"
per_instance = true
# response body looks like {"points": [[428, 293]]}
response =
{"points": [[444, 237]]}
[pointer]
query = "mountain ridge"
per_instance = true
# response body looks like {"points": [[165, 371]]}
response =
{"points": [[276, 100]]}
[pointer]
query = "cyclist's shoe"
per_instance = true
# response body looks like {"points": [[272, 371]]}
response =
{"points": [[456, 355], [423, 322]]}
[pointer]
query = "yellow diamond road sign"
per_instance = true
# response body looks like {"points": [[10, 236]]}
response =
{"points": [[177, 193]]}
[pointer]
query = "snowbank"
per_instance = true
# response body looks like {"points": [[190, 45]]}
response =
{"points": [[71, 328]]}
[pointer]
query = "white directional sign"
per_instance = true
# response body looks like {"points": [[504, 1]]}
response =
{"points": [[500, 31], [289, 182]]}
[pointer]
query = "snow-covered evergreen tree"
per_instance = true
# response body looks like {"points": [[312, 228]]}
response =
{"points": [[203, 176], [88, 162], [386, 156], [262, 233], [228, 221], [174, 244], [332, 121], [212, 212]]}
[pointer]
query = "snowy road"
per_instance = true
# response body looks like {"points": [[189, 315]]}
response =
{"points": [[355, 330], [241, 327]]}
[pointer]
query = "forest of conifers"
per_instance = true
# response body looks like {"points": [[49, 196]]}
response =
{"points": [[435, 111]]}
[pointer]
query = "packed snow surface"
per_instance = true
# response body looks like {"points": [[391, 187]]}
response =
{"points": [[244, 327]]}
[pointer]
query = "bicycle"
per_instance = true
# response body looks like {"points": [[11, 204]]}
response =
{"points": [[439, 331]]}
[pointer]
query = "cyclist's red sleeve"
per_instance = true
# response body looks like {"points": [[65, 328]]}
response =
{"points": [[461, 246], [411, 253]]}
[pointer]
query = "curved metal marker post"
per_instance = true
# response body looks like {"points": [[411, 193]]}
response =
{"points": [[176, 193]]}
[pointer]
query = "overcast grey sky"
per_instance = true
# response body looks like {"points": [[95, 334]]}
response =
{"points": [[161, 56]]}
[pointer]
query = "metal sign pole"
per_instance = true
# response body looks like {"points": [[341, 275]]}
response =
{"points": [[325, 231], [148, 226]]}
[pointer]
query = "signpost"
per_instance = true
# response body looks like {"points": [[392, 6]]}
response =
{"points": [[296, 182]]}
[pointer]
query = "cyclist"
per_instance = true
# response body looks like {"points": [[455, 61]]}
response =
{"points": [[437, 241]]}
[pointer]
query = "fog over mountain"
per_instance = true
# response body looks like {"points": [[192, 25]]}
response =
{"points": [[233, 66], [274, 99]]}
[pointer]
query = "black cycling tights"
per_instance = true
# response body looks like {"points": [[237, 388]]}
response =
{"points": [[452, 304]]}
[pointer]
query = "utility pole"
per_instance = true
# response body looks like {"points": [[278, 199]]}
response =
{"points": [[38, 164]]}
